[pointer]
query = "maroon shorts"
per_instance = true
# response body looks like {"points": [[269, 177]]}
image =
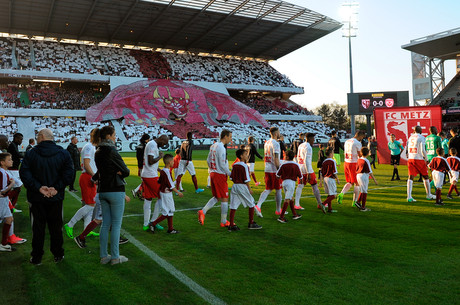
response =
{"points": [[88, 189], [219, 185], [272, 182], [311, 181], [151, 188], [350, 172], [416, 167]]}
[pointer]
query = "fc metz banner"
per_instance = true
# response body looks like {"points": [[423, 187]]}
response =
{"points": [[401, 121]]}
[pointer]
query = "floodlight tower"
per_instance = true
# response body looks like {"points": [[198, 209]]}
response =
{"points": [[350, 29]]}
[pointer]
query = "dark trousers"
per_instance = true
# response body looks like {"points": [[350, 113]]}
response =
{"points": [[373, 160], [43, 213], [73, 181]]}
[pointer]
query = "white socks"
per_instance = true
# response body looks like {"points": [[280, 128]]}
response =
{"points": [[156, 210], [88, 217], [210, 204], [426, 183], [147, 209], [355, 193], [316, 193], [80, 214], [263, 197], [137, 188], [409, 188], [223, 212], [11, 229], [279, 200], [346, 188], [298, 194]]}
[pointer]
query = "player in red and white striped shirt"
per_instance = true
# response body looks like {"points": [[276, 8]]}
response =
{"points": [[289, 172], [329, 177], [454, 163], [363, 171], [167, 186], [438, 166], [241, 191]]}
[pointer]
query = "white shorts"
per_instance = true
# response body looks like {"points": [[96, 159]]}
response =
{"points": [[289, 188], [4, 208], [438, 179], [363, 181], [240, 195], [453, 176], [329, 186], [97, 212], [183, 167], [251, 167], [167, 207], [17, 180]]}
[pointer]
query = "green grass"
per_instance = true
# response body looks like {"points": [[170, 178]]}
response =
{"points": [[399, 253]]}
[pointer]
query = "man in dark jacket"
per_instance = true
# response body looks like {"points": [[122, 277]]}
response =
{"points": [[335, 143], [75, 155], [46, 170], [186, 163], [296, 143], [454, 142]]}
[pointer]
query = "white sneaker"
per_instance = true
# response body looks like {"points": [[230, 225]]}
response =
{"points": [[411, 200], [106, 260], [430, 197], [6, 248], [121, 259], [365, 210], [258, 211]]}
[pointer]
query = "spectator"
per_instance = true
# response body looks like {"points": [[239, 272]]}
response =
{"points": [[46, 171], [75, 155], [31, 144]]}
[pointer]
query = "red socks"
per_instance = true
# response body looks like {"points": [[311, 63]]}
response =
{"points": [[14, 195], [195, 182], [232, 217], [179, 178], [284, 208], [159, 219], [453, 188], [253, 175], [170, 223], [291, 204], [251, 215], [328, 201], [438, 195], [91, 226], [5, 233], [363, 200]]}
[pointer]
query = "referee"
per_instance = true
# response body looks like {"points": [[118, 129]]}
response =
{"points": [[396, 149]]}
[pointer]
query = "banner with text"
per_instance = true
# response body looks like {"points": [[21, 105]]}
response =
{"points": [[401, 121]]}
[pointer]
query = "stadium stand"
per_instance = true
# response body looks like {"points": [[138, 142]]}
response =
{"points": [[274, 105], [51, 56]]}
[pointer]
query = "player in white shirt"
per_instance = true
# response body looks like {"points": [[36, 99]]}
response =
{"points": [[87, 186], [417, 163], [219, 172], [352, 149], [149, 177], [272, 153], [304, 158]]}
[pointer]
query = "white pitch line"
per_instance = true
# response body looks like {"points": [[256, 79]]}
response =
{"points": [[191, 284], [199, 290]]}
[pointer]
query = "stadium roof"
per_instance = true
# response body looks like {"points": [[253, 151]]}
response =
{"points": [[444, 45], [266, 29]]}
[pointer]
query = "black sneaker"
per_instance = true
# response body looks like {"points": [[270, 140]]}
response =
{"points": [[173, 231], [81, 243], [123, 240], [296, 216], [358, 205], [282, 220], [392, 179], [233, 228], [58, 259], [254, 226], [398, 178], [449, 197], [440, 203], [35, 261], [152, 228]]}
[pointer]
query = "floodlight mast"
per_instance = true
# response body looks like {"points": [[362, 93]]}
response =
{"points": [[350, 29]]}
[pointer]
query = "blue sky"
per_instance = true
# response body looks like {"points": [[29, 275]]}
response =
{"points": [[379, 62]]}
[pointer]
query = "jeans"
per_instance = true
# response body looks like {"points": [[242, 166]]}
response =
{"points": [[113, 206]]}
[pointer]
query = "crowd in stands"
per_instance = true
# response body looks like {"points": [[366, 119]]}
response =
{"points": [[46, 97], [134, 132], [266, 105], [8, 125], [450, 102], [51, 56]]}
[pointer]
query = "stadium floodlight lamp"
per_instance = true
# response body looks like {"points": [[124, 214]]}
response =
{"points": [[349, 14]]}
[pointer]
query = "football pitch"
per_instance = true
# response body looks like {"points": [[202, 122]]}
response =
{"points": [[399, 253]]}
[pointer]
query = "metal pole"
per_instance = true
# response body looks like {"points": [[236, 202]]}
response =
{"points": [[352, 117]]}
